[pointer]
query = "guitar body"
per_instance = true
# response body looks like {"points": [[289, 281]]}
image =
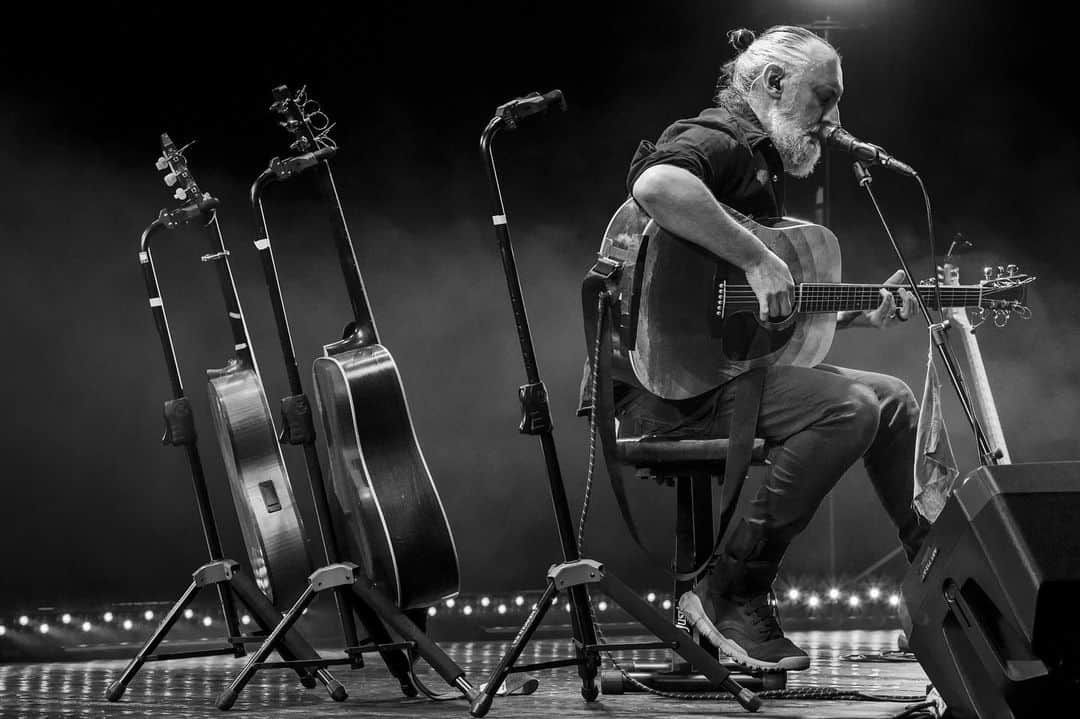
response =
{"points": [[269, 520], [394, 519], [670, 338]]}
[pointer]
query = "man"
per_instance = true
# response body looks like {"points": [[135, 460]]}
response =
{"points": [[772, 101]]}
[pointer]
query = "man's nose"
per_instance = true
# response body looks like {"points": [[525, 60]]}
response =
{"points": [[832, 115]]}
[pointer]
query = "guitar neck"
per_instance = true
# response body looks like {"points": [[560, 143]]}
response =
{"points": [[839, 297]]}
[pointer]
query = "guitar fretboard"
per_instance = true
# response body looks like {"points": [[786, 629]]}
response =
{"points": [[838, 297]]}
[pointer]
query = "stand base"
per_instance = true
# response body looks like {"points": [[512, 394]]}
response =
{"points": [[224, 575], [376, 613], [573, 578]]}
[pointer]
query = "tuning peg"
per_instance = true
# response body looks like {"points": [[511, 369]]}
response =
{"points": [[1001, 318], [1012, 269], [170, 179], [180, 194], [988, 273], [162, 164], [1000, 271]]}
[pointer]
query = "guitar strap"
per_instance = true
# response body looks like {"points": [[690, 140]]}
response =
{"points": [[598, 290]]}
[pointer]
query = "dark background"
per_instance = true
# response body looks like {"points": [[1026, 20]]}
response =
{"points": [[95, 509]]}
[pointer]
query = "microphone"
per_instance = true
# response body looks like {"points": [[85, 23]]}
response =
{"points": [[534, 103], [832, 134]]}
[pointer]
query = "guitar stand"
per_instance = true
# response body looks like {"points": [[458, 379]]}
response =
{"points": [[355, 595], [219, 572], [225, 576], [574, 574], [364, 595]]}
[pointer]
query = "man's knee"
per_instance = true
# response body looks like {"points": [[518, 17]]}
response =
{"points": [[861, 411], [899, 408]]}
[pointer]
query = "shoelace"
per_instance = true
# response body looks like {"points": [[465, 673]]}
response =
{"points": [[763, 613]]}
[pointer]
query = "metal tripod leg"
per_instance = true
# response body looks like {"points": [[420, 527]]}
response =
{"points": [[280, 635], [224, 575], [685, 646], [118, 687], [396, 660], [482, 703], [368, 595]]}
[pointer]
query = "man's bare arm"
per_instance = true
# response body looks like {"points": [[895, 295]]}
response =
{"points": [[681, 203]]}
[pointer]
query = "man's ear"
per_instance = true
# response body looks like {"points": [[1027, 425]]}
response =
{"points": [[772, 79]]}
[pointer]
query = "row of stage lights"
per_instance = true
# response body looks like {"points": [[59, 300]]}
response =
{"points": [[793, 598], [87, 623]]}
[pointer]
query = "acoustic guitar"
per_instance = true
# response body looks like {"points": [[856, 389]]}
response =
{"points": [[685, 318], [269, 521], [395, 523]]}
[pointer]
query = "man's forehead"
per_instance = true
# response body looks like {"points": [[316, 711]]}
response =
{"points": [[824, 69]]}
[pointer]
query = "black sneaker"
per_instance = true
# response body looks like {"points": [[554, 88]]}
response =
{"points": [[745, 629]]}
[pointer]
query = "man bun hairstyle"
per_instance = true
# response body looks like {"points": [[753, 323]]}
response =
{"points": [[785, 45]]}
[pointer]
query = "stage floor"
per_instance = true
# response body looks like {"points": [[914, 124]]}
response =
{"points": [[188, 688]]}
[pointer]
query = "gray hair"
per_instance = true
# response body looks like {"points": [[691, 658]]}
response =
{"points": [[785, 45]]}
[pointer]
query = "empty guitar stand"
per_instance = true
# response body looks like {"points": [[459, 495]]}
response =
{"points": [[575, 574]]}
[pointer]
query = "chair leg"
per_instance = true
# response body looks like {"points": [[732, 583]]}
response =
{"points": [[704, 538], [685, 550]]}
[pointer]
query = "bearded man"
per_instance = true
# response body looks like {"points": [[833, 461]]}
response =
{"points": [[771, 104]]}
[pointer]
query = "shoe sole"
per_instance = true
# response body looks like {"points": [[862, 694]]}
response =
{"points": [[692, 608]]}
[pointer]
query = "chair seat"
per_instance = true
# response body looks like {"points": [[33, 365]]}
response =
{"points": [[651, 450]]}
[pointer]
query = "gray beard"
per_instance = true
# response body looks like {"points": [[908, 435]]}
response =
{"points": [[799, 149]]}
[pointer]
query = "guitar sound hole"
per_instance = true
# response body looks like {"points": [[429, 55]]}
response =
{"points": [[738, 331]]}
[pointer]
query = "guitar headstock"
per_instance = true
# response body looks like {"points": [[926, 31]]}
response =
{"points": [[1002, 292], [177, 174], [304, 119]]}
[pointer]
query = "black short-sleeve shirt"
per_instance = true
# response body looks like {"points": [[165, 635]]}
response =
{"points": [[731, 153]]}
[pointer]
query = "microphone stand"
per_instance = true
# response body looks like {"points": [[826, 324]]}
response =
{"points": [[938, 330]]}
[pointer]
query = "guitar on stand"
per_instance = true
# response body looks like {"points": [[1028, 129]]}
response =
{"points": [[391, 516], [270, 524]]}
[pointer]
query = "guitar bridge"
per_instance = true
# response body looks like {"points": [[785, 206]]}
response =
{"points": [[721, 299]]}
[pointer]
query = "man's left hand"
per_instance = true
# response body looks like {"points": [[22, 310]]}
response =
{"points": [[887, 313]]}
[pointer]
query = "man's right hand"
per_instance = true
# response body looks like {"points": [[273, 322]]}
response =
{"points": [[771, 281]]}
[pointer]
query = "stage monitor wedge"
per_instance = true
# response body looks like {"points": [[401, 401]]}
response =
{"points": [[993, 596]]}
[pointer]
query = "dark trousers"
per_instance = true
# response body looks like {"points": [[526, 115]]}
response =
{"points": [[818, 422]]}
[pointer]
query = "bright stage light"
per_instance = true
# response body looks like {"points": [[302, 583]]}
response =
{"points": [[107, 616], [567, 607], [189, 613], [450, 603], [24, 620], [834, 594], [128, 624], [519, 600], [3, 630], [207, 621], [651, 596], [485, 602], [43, 628], [87, 626], [894, 600], [666, 604], [602, 606], [432, 611], [793, 594], [148, 615], [501, 609], [813, 600], [875, 593], [467, 610], [66, 619], [245, 619], [853, 600]]}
